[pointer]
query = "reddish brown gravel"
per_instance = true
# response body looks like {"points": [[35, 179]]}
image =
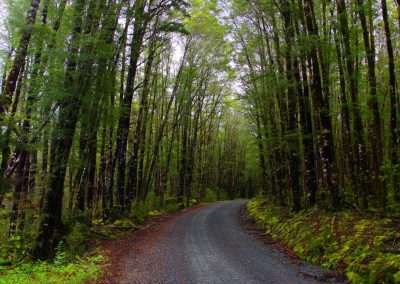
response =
{"points": [[133, 258]]}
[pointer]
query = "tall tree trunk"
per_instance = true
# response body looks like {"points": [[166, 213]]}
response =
{"points": [[172, 99], [140, 129], [310, 177], [360, 154], [292, 132], [50, 225], [125, 112], [321, 102], [375, 125], [19, 60], [281, 97], [394, 136]]}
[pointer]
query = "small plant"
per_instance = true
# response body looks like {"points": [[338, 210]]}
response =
{"points": [[76, 241], [60, 256], [140, 211], [210, 196]]}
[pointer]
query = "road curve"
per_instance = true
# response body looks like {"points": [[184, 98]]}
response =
{"points": [[206, 245]]}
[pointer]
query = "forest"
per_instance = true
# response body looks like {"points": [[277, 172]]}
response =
{"points": [[112, 109]]}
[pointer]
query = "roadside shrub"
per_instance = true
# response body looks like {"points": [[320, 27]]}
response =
{"points": [[210, 196], [140, 211], [76, 240], [151, 200], [170, 207]]}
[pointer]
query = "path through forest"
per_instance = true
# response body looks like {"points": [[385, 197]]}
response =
{"points": [[202, 245]]}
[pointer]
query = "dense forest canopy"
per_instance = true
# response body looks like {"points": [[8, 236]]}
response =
{"points": [[106, 104]]}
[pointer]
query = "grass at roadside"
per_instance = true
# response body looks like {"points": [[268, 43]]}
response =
{"points": [[364, 247]]}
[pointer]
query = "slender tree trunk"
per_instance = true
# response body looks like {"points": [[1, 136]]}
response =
{"points": [[19, 60], [6, 150], [292, 109], [310, 177], [140, 129], [360, 154], [375, 125], [173, 97], [394, 137], [349, 166], [18, 191], [52, 45], [125, 112]]}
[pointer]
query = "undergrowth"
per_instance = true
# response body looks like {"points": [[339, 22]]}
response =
{"points": [[365, 248], [78, 271]]}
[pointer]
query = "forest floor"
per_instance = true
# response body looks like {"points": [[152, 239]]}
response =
{"points": [[361, 245], [204, 244]]}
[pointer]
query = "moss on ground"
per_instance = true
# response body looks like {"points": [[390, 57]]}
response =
{"points": [[365, 248]]}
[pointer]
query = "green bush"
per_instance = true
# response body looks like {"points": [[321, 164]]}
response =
{"points": [[140, 211], [151, 200], [77, 240], [210, 196], [171, 207]]}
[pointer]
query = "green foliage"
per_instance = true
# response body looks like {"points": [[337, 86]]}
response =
{"points": [[124, 223], [140, 211], [61, 256], [77, 240], [170, 206], [13, 249], [155, 213], [174, 27], [391, 177], [60, 271], [365, 249], [17, 245], [152, 206], [151, 200], [210, 196]]}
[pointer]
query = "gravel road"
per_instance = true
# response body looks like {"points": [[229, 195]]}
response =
{"points": [[206, 245]]}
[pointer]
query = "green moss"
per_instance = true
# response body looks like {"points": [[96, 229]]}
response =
{"points": [[155, 213], [364, 248]]}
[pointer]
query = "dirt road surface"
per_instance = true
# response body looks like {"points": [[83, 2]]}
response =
{"points": [[208, 244]]}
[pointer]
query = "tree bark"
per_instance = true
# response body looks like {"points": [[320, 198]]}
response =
{"points": [[50, 225], [19, 60], [292, 130], [125, 112], [375, 124], [321, 102], [394, 136]]}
